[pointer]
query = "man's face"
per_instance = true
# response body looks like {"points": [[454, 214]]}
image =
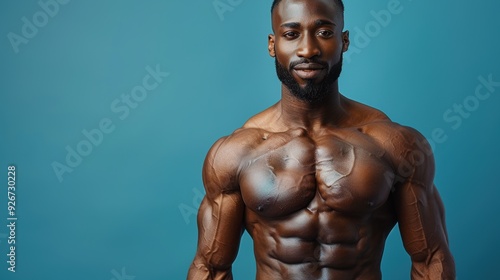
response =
{"points": [[307, 45]]}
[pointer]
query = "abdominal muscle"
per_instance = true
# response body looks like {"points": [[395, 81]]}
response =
{"points": [[319, 243]]}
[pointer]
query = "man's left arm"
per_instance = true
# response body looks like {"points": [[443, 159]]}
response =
{"points": [[420, 211]]}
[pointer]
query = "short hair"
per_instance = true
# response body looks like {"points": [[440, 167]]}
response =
{"points": [[339, 3]]}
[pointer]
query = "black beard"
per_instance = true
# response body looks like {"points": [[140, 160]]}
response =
{"points": [[312, 92]]}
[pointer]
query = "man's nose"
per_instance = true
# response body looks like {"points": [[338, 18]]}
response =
{"points": [[308, 47]]}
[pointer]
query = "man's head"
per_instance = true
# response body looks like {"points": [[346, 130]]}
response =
{"points": [[307, 45]]}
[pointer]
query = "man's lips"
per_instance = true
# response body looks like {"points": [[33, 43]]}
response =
{"points": [[308, 70], [308, 66]]}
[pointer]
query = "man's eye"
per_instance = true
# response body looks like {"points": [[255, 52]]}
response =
{"points": [[290, 35], [325, 33]]}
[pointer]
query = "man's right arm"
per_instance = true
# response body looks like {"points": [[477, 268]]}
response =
{"points": [[220, 217]]}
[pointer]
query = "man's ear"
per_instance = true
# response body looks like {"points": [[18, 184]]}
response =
{"points": [[270, 45], [345, 40]]}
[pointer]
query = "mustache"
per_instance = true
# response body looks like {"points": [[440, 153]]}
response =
{"points": [[306, 60]]}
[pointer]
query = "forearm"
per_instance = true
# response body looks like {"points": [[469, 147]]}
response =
{"points": [[440, 267], [201, 271]]}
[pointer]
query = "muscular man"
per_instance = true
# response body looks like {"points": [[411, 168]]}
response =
{"points": [[318, 180]]}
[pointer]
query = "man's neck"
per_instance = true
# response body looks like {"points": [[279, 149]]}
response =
{"points": [[312, 116]]}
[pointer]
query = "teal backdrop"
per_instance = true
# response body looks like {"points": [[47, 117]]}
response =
{"points": [[108, 108]]}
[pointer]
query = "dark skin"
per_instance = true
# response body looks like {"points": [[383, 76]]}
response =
{"points": [[319, 185]]}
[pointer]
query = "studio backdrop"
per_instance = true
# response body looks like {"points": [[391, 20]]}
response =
{"points": [[107, 110]]}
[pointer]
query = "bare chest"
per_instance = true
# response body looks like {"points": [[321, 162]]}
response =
{"points": [[291, 172]]}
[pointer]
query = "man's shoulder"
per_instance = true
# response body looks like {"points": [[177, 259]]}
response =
{"points": [[241, 139], [396, 135], [230, 149], [403, 144], [376, 123], [407, 149], [226, 157]]}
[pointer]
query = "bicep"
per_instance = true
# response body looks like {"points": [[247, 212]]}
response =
{"points": [[221, 213], [220, 225]]}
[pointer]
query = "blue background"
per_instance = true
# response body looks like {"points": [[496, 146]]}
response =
{"points": [[127, 208]]}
